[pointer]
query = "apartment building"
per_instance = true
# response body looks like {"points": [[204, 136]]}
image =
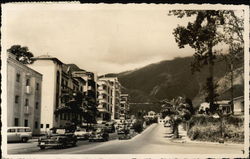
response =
{"points": [[24, 95], [124, 106], [51, 69], [104, 100], [116, 92], [70, 86]]}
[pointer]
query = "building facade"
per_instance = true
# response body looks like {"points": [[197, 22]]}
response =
{"points": [[24, 95], [70, 86], [90, 93], [51, 69], [238, 105], [124, 106], [104, 100], [116, 92]]}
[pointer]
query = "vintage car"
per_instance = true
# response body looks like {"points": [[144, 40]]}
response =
{"points": [[16, 134], [99, 134], [82, 133], [57, 137], [110, 127], [122, 128], [167, 124]]}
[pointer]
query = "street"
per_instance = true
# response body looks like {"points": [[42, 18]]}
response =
{"points": [[153, 140]]}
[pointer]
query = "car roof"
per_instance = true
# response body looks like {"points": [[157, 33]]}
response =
{"points": [[19, 127]]}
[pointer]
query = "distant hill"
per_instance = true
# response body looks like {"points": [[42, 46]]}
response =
{"points": [[171, 78]]}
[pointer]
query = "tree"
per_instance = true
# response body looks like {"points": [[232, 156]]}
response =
{"points": [[209, 28], [179, 110], [22, 54], [235, 40], [72, 104]]}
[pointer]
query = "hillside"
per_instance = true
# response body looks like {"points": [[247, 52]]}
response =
{"points": [[171, 78]]}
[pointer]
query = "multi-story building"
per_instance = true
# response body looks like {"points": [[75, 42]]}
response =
{"points": [[69, 86], [51, 69], [116, 92], [90, 92], [104, 100], [24, 95], [124, 106]]}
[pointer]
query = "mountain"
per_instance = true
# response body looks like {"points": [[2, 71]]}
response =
{"points": [[171, 78]]}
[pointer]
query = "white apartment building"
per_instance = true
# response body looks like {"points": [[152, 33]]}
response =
{"points": [[51, 69], [24, 95], [124, 106], [104, 100], [116, 92]]}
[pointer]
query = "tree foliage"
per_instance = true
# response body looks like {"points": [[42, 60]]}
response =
{"points": [[22, 53], [178, 109], [209, 29]]}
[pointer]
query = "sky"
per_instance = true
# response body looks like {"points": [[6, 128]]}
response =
{"points": [[97, 38]]}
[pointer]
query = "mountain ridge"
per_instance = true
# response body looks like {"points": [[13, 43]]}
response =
{"points": [[170, 78]]}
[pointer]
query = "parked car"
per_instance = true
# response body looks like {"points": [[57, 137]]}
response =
{"points": [[99, 134], [110, 127], [58, 137], [122, 129], [82, 133], [17, 134], [124, 133], [167, 124]]}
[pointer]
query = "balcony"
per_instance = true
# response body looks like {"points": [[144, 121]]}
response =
{"points": [[28, 90], [65, 90], [27, 110]]}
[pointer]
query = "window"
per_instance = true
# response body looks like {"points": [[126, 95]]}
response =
{"points": [[16, 122], [37, 86], [36, 125], [11, 130], [41, 125], [27, 82], [26, 102], [27, 130], [37, 104], [25, 122], [47, 125], [18, 77], [16, 99], [20, 130]]}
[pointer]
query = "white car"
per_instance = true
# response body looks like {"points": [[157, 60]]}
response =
{"points": [[166, 124], [82, 134], [15, 134]]}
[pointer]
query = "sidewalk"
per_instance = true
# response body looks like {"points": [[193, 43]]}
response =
{"points": [[185, 139]]}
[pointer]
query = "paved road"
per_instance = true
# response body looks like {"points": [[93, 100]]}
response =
{"points": [[153, 140]]}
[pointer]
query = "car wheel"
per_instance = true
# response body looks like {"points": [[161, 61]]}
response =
{"points": [[42, 147], [24, 139], [90, 140]]}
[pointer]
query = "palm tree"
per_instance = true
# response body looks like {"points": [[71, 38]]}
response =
{"points": [[178, 109]]}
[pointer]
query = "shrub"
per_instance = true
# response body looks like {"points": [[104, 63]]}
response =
{"points": [[207, 128], [138, 126]]}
